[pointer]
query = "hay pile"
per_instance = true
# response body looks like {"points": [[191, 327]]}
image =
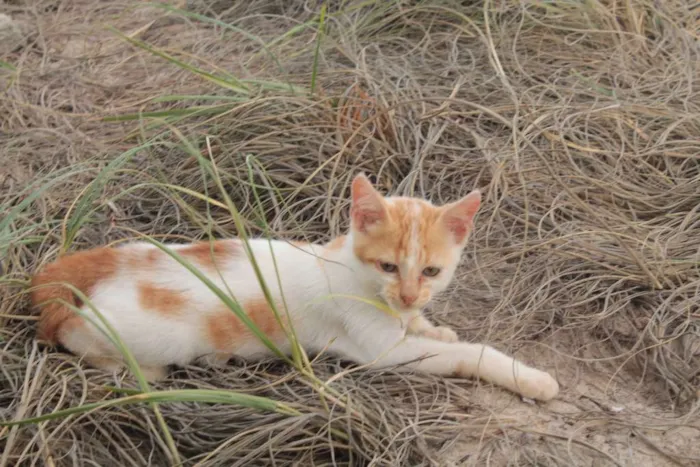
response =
{"points": [[579, 120]]}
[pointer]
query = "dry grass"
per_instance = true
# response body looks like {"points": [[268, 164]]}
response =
{"points": [[580, 121]]}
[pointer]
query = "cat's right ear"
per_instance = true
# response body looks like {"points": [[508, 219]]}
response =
{"points": [[459, 216], [367, 204]]}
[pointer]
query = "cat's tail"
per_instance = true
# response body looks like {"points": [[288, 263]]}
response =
{"points": [[56, 300]]}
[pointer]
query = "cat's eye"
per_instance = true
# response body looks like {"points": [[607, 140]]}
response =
{"points": [[431, 271], [388, 267]]}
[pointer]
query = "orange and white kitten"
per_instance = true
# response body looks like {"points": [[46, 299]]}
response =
{"points": [[400, 251]]}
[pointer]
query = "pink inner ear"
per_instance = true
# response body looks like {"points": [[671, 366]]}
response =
{"points": [[458, 227], [459, 216], [363, 217], [367, 204]]}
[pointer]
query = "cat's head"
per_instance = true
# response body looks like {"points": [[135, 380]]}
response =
{"points": [[407, 246]]}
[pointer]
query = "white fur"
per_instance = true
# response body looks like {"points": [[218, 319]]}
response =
{"points": [[350, 328]]}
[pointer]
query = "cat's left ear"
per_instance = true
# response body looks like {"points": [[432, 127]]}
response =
{"points": [[367, 204], [459, 216]]}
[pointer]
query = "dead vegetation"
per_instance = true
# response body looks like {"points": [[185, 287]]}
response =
{"points": [[579, 120]]}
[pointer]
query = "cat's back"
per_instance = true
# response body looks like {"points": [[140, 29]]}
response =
{"points": [[229, 264], [141, 272]]}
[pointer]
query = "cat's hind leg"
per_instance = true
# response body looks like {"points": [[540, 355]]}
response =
{"points": [[82, 339]]}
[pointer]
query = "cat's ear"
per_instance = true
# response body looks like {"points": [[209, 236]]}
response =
{"points": [[367, 204], [459, 216]]}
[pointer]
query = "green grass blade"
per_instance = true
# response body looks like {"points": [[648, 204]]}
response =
{"points": [[188, 112], [312, 22], [273, 85], [232, 85], [197, 97], [7, 66], [159, 397], [35, 193], [230, 27], [84, 207]]}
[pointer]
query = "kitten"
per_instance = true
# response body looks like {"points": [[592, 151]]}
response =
{"points": [[400, 251]]}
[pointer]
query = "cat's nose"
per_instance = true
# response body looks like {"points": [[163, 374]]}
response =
{"points": [[408, 299]]}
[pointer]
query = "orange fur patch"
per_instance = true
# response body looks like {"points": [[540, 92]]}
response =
{"points": [[391, 240], [211, 254], [152, 256], [227, 332], [83, 271], [262, 315], [136, 259], [161, 299]]}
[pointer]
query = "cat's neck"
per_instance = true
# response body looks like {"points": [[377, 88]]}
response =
{"points": [[340, 249]]}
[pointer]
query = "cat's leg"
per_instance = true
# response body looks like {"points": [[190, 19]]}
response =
{"points": [[419, 325], [81, 339], [462, 359], [84, 340]]}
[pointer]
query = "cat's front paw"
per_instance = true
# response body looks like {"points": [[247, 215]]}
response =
{"points": [[539, 385], [441, 333]]}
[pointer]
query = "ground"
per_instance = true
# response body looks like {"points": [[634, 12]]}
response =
{"points": [[578, 120]]}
